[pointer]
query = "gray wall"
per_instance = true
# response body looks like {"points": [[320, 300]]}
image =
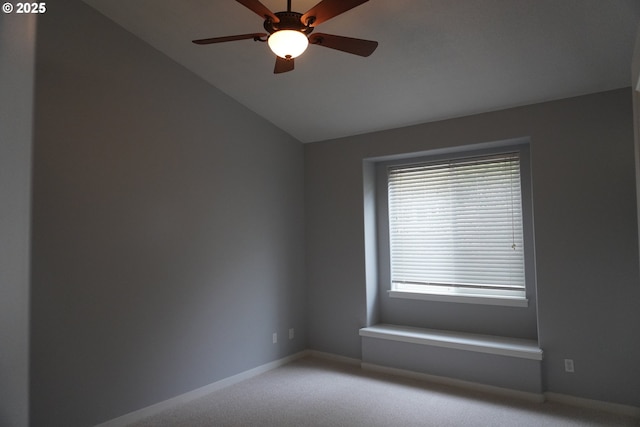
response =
{"points": [[167, 227], [17, 49], [585, 233]]}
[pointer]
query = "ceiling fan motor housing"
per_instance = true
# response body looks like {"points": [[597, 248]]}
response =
{"points": [[288, 21]]}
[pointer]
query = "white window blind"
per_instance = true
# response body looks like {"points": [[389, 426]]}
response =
{"points": [[456, 227]]}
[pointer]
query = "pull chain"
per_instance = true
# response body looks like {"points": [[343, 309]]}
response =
{"points": [[513, 227]]}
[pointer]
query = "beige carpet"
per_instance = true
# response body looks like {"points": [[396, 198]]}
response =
{"points": [[317, 392]]}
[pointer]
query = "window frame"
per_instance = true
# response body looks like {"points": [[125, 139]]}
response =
{"points": [[456, 296]]}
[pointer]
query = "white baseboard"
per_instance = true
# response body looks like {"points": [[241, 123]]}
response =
{"points": [[334, 357], [616, 408], [140, 414], [524, 395]]}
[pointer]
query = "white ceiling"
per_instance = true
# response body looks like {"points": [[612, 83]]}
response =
{"points": [[436, 59]]}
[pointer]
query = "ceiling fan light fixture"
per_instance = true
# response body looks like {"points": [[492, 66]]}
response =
{"points": [[288, 44]]}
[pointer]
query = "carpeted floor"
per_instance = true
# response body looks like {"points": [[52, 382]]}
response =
{"points": [[318, 392]]}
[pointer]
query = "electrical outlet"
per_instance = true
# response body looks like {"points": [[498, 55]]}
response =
{"points": [[291, 333], [275, 337], [568, 365]]}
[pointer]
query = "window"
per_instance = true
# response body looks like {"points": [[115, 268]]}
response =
{"points": [[456, 229]]}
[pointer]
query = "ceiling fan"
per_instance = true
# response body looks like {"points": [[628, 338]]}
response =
{"points": [[289, 33]]}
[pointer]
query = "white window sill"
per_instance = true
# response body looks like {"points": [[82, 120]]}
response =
{"points": [[503, 346], [462, 298]]}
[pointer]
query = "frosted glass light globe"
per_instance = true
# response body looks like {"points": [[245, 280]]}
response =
{"points": [[288, 43]]}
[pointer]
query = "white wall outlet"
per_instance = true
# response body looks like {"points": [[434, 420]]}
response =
{"points": [[568, 365], [291, 333], [275, 337]]}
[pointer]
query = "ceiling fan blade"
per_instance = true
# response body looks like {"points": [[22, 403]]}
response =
{"points": [[346, 44], [328, 9], [230, 38], [259, 9], [283, 65]]}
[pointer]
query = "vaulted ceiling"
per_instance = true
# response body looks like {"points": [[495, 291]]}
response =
{"points": [[436, 59]]}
